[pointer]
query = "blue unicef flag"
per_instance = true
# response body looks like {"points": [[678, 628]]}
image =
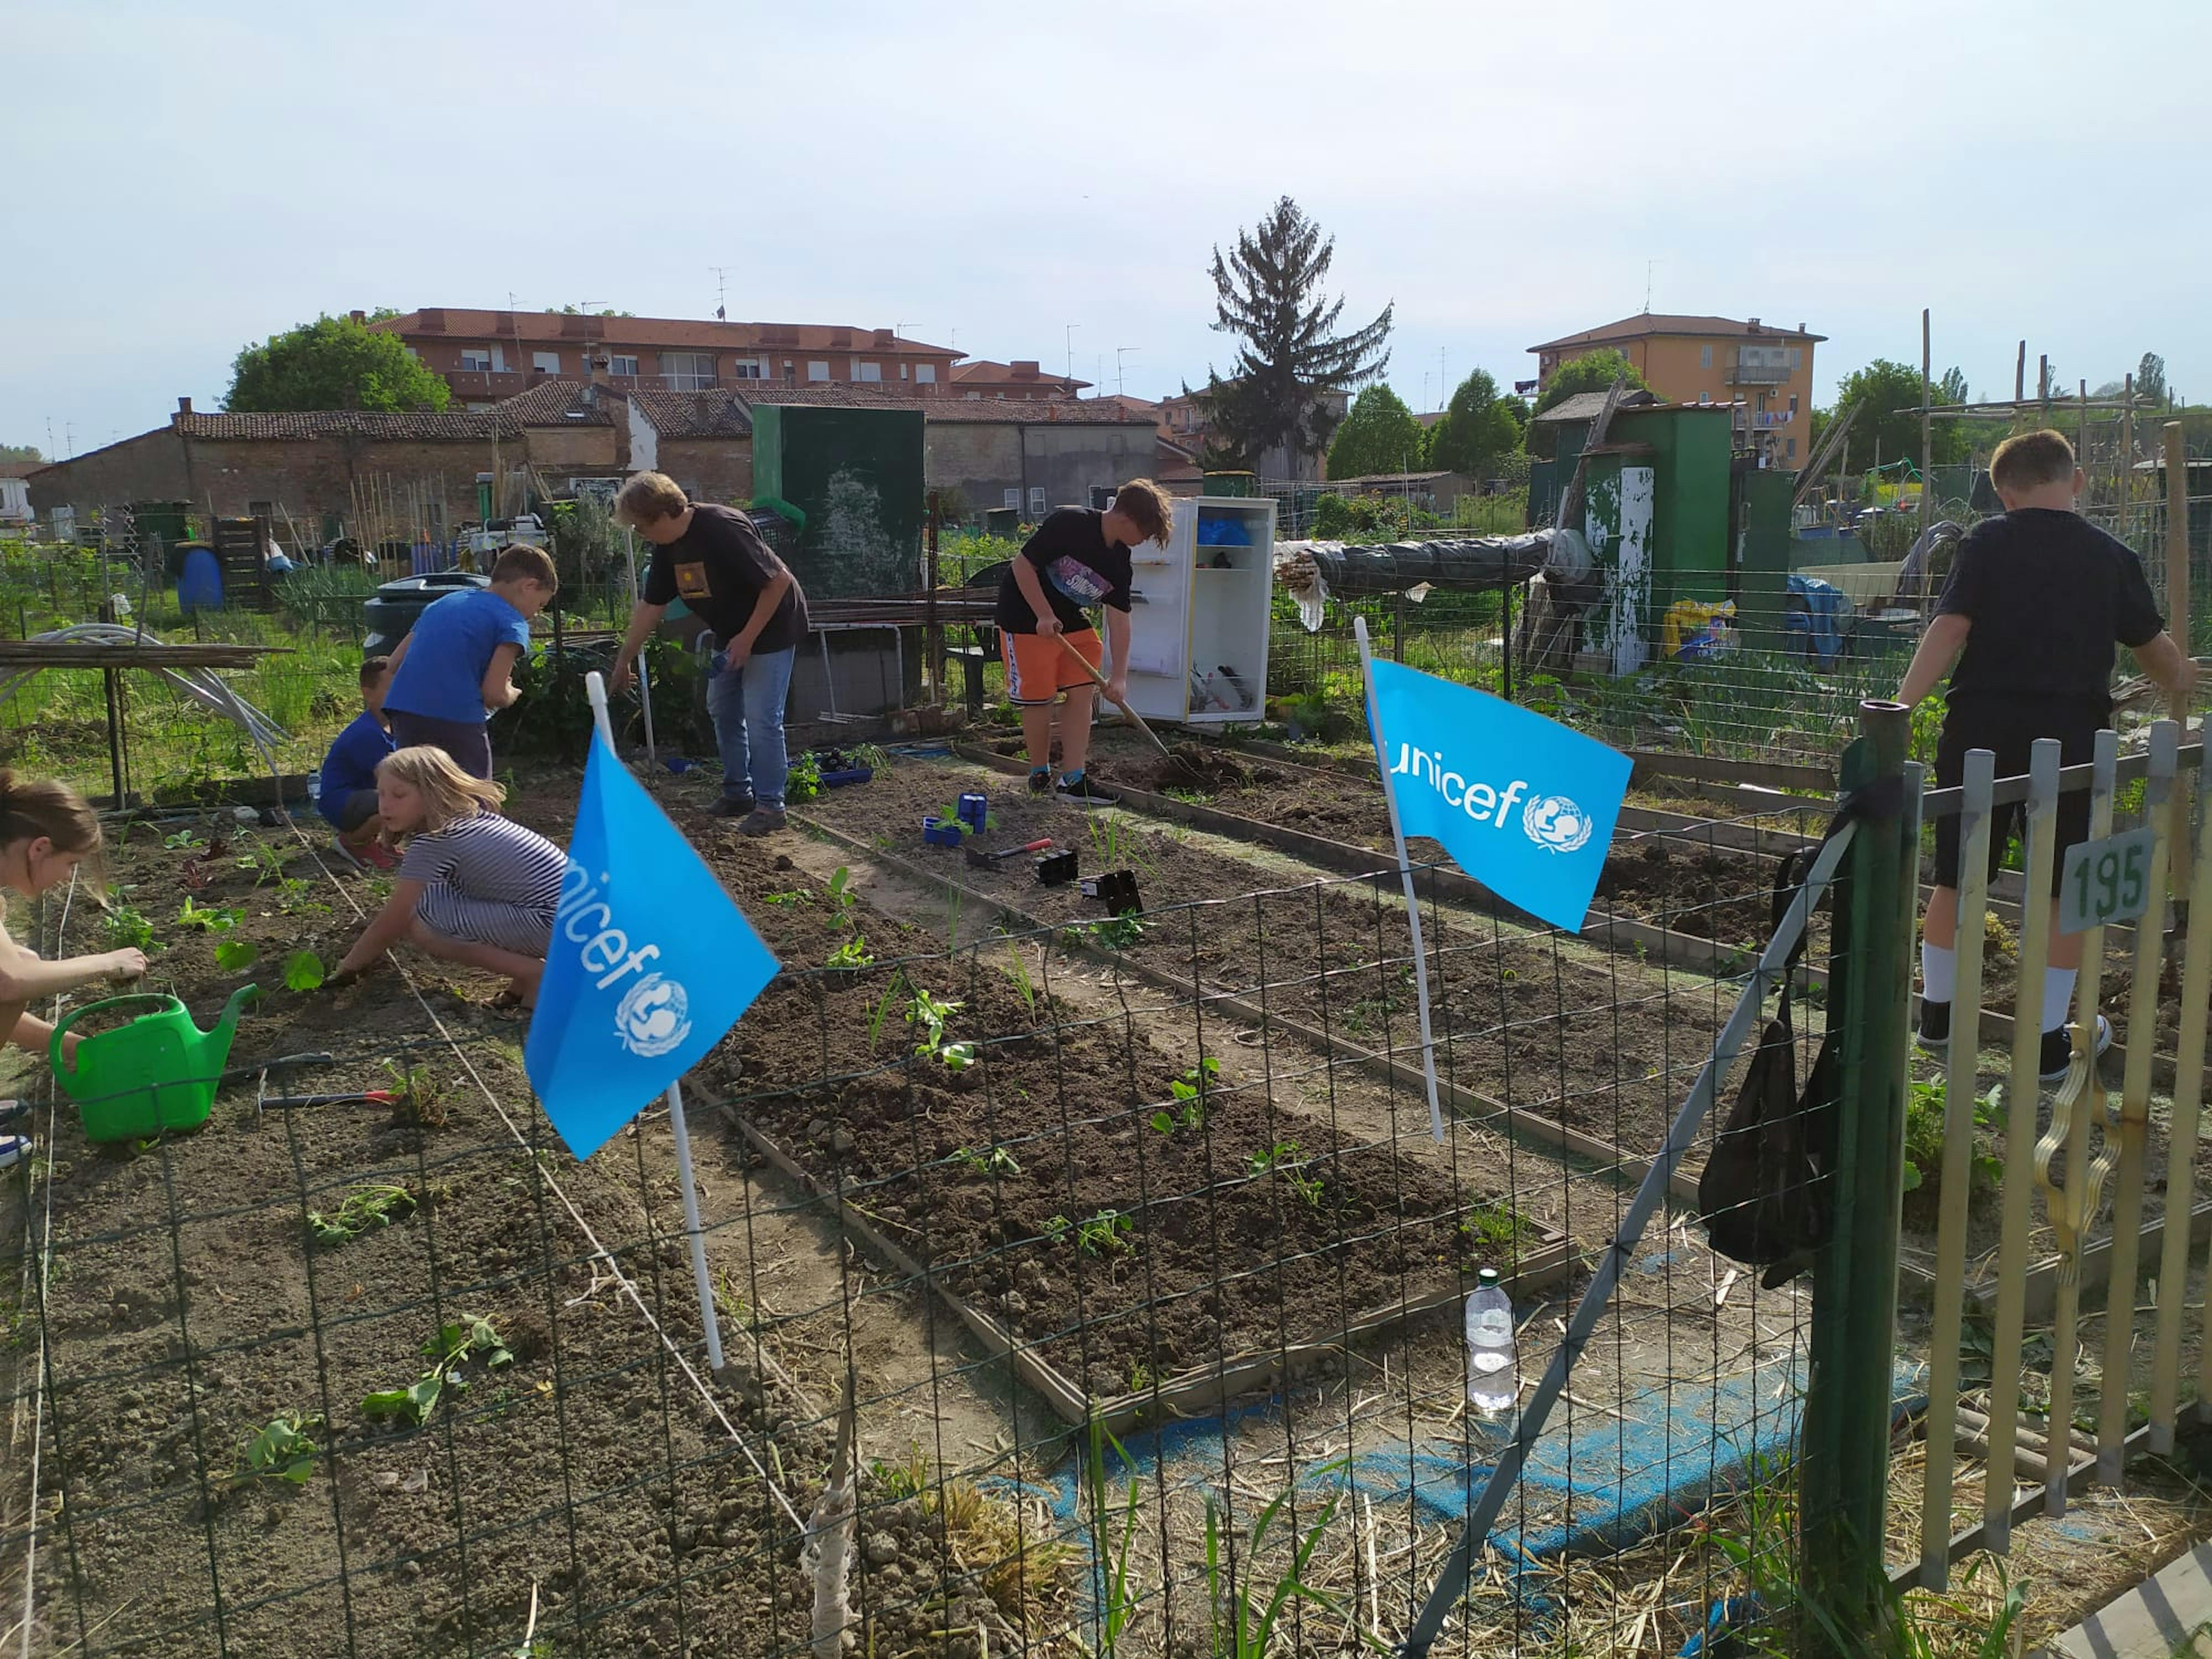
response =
{"points": [[650, 964], [1523, 804]]}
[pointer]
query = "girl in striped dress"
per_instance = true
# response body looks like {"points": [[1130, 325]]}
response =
{"points": [[472, 887]]}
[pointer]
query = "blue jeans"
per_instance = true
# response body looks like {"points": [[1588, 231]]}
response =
{"points": [[747, 709]]}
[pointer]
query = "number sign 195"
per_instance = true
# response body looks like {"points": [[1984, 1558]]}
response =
{"points": [[2106, 881]]}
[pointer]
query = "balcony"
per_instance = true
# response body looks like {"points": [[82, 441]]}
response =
{"points": [[1765, 419], [1740, 373]]}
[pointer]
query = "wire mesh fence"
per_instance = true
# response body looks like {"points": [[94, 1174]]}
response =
{"points": [[1128, 1237]]}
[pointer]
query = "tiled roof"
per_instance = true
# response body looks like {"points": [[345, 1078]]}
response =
{"points": [[984, 370], [1588, 405], [19, 469], [999, 412], [550, 403], [694, 414], [553, 401], [1649, 323], [548, 328]]}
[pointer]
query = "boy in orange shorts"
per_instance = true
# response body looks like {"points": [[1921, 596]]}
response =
{"points": [[1078, 557]]}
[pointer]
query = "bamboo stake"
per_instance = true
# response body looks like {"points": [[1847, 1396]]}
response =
{"points": [[2127, 467], [1927, 430], [1976, 817], [2020, 1094], [2020, 375], [2181, 1140], [2082, 420], [2081, 1102], [2177, 589], [2159, 800]]}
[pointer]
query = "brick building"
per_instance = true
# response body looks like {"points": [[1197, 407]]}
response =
{"points": [[703, 440], [310, 464], [1023, 379], [487, 355]]}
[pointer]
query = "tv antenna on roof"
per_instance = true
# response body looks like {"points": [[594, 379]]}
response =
{"points": [[1118, 352], [1648, 264], [721, 292]]}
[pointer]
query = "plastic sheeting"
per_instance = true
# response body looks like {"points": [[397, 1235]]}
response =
{"points": [[1313, 570]]}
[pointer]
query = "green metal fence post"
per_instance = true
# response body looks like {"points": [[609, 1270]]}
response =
{"points": [[1843, 1467]]}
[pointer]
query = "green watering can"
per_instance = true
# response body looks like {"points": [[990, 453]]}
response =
{"points": [[160, 1072]]}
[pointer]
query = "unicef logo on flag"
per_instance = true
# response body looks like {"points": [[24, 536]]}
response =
{"points": [[1557, 824], [653, 1016]]}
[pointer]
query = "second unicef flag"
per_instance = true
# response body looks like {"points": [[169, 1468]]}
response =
{"points": [[650, 962], [1522, 803]]}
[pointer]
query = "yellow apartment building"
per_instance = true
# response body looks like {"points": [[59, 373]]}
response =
{"points": [[1714, 360]]}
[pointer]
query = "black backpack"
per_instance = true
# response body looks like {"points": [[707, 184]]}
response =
{"points": [[1764, 1196]]}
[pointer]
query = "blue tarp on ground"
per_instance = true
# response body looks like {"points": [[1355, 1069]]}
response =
{"points": [[1600, 1478], [1825, 614]]}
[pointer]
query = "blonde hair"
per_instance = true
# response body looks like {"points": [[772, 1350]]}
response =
{"points": [[31, 807], [2032, 461], [447, 791], [650, 496], [1149, 508]]}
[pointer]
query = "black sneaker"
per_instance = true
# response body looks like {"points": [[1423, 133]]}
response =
{"points": [[1041, 781], [730, 806], [2058, 1049], [1934, 1033], [1079, 791]]}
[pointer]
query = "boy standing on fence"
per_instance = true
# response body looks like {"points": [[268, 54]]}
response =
{"points": [[457, 664], [2035, 603]]}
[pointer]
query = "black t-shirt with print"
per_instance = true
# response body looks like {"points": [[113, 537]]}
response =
{"points": [[719, 567], [1078, 565], [2049, 594]]}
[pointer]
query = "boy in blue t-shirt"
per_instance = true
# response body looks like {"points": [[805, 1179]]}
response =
{"points": [[455, 664], [345, 791]]}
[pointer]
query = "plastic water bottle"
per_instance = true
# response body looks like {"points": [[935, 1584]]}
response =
{"points": [[1493, 1382]]}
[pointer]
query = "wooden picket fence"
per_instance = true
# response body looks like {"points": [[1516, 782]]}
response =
{"points": [[2096, 1145]]}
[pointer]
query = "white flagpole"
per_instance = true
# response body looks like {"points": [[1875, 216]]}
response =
{"points": [[644, 682], [1405, 874], [596, 689]]}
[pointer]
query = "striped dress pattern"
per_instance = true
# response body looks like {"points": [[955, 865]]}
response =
{"points": [[488, 881]]}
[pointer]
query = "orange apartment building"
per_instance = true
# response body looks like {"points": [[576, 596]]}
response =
{"points": [[1714, 360], [488, 355]]}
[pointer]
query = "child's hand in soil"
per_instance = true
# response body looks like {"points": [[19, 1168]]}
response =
{"points": [[342, 977], [123, 965]]}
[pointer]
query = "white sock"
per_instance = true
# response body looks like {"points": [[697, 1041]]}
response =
{"points": [[1939, 972], [2057, 994]]}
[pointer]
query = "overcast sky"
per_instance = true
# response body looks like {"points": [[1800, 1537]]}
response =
{"points": [[187, 177]]}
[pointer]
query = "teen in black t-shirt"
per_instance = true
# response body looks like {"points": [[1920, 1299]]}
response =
{"points": [[1077, 558], [713, 559], [2036, 602]]}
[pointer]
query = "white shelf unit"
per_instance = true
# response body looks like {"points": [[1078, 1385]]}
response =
{"points": [[1200, 605]]}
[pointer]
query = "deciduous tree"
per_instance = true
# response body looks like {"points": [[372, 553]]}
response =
{"points": [[1380, 435], [1479, 429], [1593, 371], [332, 362]]}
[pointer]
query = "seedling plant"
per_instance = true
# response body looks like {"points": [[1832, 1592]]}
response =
{"points": [[363, 1210], [126, 927], [208, 918], [1192, 1103], [1106, 1233], [284, 1449], [455, 1346], [928, 1013], [996, 1161], [1287, 1161]]}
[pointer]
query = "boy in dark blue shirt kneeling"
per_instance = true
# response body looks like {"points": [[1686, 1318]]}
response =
{"points": [[345, 791]]}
